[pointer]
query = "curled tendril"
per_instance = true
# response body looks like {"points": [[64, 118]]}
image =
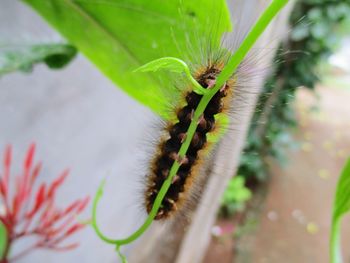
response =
{"points": [[148, 221], [97, 198]]}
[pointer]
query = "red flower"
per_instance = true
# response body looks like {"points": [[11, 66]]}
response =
{"points": [[35, 214]]}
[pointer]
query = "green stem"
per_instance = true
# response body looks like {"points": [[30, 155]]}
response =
{"points": [[226, 74], [6, 251], [259, 27], [335, 251]]}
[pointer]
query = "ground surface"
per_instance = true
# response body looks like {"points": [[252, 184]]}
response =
{"points": [[294, 224]]}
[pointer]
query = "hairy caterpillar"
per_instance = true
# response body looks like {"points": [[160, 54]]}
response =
{"points": [[123, 48], [181, 150], [176, 133]]}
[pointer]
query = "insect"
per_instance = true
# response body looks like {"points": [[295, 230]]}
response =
{"points": [[186, 164], [175, 135], [185, 142]]}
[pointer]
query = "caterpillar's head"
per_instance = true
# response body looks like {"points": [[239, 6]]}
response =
{"points": [[207, 78]]}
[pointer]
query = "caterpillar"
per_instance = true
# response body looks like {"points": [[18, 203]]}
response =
{"points": [[182, 149], [176, 133], [167, 153]]}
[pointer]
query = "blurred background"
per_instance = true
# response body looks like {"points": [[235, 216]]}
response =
{"points": [[276, 209]]}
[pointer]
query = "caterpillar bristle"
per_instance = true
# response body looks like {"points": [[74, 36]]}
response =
{"points": [[176, 132]]}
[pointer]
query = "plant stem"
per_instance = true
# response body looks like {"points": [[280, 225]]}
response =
{"points": [[270, 12], [5, 254], [335, 248]]}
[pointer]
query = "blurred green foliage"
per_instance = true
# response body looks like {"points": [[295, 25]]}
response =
{"points": [[235, 196], [312, 40]]}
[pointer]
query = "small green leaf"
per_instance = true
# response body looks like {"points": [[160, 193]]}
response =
{"points": [[3, 239], [174, 65], [24, 57]]}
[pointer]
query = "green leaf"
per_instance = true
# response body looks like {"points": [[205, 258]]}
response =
{"points": [[3, 239], [24, 57], [173, 65], [120, 36], [341, 206]]}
